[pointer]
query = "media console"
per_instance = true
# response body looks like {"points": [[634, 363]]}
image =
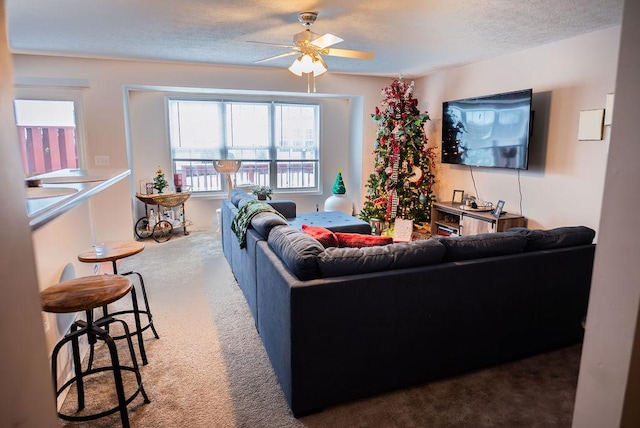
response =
{"points": [[447, 218]]}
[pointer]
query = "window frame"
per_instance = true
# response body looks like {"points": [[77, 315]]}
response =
{"points": [[272, 161]]}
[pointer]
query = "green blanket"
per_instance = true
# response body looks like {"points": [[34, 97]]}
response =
{"points": [[242, 219]]}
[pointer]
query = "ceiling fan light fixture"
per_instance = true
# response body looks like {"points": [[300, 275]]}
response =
{"points": [[307, 64], [318, 67]]}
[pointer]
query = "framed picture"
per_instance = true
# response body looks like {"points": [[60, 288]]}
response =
{"points": [[458, 196], [498, 210]]}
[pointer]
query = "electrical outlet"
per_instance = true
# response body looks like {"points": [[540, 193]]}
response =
{"points": [[102, 160]]}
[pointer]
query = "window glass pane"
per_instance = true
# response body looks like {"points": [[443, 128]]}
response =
{"points": [[255, 173], [296, 131], [293, 175], [248, 135], [199, 176], [195, 129], [47, 135]]}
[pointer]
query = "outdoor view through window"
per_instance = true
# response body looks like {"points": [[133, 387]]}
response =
{"points": [[277, 143], [47, 135]]}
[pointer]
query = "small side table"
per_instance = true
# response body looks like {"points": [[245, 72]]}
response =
{"points": [[85, 294], [112, 252]]}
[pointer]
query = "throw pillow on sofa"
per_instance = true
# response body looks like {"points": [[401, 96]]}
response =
{"points": [[357, 240], [349, 261], [326, 237]]}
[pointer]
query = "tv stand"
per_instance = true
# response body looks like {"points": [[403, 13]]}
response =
{"points": [[448, 218]]}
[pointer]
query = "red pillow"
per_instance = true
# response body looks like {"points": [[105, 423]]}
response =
{"points": [[356, 240], [326, 237]]}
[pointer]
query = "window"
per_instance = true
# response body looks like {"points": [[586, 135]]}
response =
{"points": [[278, 143], [47, 135]]}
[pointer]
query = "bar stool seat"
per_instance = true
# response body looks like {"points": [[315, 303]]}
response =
{"points": [[112, 252], [85, 294]]}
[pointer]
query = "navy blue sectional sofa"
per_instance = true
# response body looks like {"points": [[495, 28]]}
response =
{"points": [[345, 323]]}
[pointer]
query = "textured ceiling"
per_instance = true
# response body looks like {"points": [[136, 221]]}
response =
{"points": [[410, 38]]}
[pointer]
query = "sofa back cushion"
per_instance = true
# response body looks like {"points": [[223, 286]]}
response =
{"points": [[298, 251], [559, 237], [264, 222], [359, 240], [349, 261], [482, 245], [236, 195]]}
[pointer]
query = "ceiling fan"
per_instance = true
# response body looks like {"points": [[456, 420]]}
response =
{"points": [[310, 47]]}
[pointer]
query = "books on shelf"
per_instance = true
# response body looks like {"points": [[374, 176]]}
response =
{"points": [[446, 231]]}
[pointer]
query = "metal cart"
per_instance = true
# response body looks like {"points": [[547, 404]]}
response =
{"points": [[163, 228]]}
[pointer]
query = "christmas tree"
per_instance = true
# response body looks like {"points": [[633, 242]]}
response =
{"points": [[401, 185]]}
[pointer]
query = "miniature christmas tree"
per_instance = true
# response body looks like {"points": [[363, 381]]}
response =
{"points": [[159, 182], [338, 186], [401, 185]]}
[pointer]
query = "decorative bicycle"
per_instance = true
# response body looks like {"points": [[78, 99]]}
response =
{"points": [[163, 228]]}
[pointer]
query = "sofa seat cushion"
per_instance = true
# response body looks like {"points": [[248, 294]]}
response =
{"points": [[482, 245], [326, 237], [358, 240], [265, 221], [349, 261], [298, 251], [559, 237]]}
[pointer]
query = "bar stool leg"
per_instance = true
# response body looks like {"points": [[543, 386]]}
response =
{"points": [[117, 377], [147, 308], [77, 365], [136, 317]]}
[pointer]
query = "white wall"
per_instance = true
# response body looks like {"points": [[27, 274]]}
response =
{"points": [[609, 384], [105, 114], [26, 397], [564, 183]]}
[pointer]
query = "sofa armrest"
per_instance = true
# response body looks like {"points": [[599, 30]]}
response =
{"points": [[285, 207]]}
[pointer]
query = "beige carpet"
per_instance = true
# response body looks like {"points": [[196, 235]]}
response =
{"points": [[209, 368]]}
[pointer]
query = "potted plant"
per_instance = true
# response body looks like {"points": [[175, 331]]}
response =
{"points": [[262, 192]]}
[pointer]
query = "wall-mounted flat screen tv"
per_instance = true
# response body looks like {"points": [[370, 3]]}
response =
{"points": [[489, 131]]}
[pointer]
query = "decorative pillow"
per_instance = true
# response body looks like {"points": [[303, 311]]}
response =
{"points": [[482, 245], [326, 237], [349, 261], [357, 240], [264, 222], [297, 250], [559, 237]]}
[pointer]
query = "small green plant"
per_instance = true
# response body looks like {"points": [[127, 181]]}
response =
{"points": [[262, 192]]}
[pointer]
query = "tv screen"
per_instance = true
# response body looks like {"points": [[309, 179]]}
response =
{"points": [[489, 131]]}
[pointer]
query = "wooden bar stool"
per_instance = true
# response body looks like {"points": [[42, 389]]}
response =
{"points": [[85, 294], [112, 252]]}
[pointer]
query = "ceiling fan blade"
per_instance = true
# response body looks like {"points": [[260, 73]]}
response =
{"points": [[273, 44], [277, 56], [349, 53], [326, 40]]}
